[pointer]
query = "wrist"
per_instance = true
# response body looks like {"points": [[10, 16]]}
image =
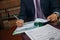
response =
{"points": [[58, 14]]}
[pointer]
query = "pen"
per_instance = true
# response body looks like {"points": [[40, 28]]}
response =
{"points": [[21, 19], [16, 17]]}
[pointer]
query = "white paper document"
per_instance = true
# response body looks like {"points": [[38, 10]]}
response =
{"points": [[28, 26], [46, 32], [41, 20]]}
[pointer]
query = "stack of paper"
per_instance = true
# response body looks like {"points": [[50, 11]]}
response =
{"points": [[28, 26], [46, 32]]}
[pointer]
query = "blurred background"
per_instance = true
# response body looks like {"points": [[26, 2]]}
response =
{"points": [[8, 8]]}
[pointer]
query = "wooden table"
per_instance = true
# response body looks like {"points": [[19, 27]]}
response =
{"points": [[6, 34]]}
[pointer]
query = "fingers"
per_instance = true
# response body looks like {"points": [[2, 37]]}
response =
{"points": [[52, 17], [19, 23]]}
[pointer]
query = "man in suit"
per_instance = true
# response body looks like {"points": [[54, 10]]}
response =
{"points": [[49, 9]]}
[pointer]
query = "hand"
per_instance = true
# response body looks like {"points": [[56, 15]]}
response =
{"points": [[53, 17], [20, 23]]}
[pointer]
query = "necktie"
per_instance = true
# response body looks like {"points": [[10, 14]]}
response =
{"points": [[38, 11]]}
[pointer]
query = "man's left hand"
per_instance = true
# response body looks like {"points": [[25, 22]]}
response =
{"points": [[53, 17]]}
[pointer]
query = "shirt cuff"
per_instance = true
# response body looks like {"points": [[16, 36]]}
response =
{"points": [[57, 13]]}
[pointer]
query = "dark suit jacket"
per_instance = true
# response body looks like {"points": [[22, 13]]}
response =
{"points": [[27, 10]]}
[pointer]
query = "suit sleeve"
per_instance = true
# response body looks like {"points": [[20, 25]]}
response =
{"points": [[22, 14], [55, 6]]}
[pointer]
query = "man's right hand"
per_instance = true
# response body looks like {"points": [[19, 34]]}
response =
{"points": [[19, 23]]}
